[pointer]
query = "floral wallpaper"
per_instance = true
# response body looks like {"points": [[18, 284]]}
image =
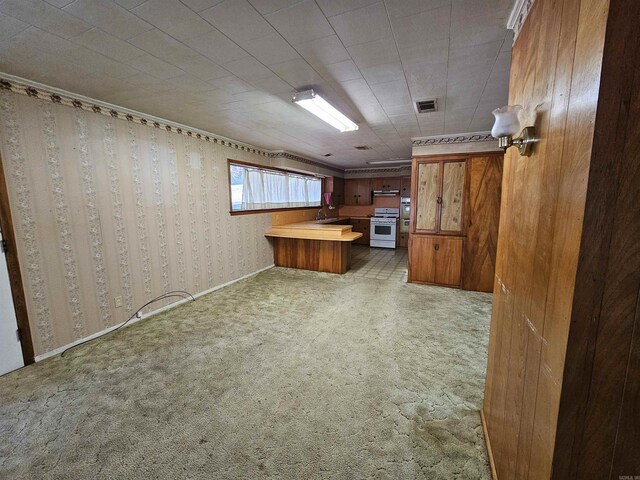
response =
{"points": [[104, 208]]}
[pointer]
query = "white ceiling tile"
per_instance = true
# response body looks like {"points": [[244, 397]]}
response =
{"points": [[129, 4], [238, 20], [200, 5], [297, 73], [431, 82], [323, 51], [161, 45], [392, 93], [45, 16], [341, 71], [231, 84], [273, 85], [156, 67], [362, 25], [359, 92], [390, 72], [336, 7], [420, 55], [101, 42], [399, 109], [59, 3], [270, 6], [109, 17], [423, 28], [378, 52], [173, 18], [404, 8], [248, 69], [10, 26], [301, 22], [217, 47], [270, 49]]}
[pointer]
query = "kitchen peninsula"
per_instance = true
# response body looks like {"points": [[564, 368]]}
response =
{"points": [[321, 245]]}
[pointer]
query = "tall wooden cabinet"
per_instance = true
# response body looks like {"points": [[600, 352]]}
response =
{"points": [[454, 220]]}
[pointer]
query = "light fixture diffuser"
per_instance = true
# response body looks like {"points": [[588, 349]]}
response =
{"points": [[314, 103]]}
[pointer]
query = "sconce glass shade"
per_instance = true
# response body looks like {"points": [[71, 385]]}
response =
{"points": [[507, 122]]}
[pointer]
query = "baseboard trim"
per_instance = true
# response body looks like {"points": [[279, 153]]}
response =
{"points": [[58, 350], [485, 431]]}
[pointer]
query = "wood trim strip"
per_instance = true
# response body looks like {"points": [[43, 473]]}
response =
{"points": [[487, 441], [15, 276]]}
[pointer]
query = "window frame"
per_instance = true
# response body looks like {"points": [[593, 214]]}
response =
{"points": [[233, 212]]}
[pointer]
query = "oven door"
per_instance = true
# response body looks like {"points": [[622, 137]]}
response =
{"points": [[386, 231]]}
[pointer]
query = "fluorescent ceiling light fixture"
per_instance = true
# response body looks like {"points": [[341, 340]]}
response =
{"points": [[311, 101], [390, 161]]}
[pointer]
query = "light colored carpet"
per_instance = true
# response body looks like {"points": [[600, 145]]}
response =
{"points": [[285, 375]]}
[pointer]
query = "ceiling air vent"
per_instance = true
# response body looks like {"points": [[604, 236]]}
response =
{"points": [[363, 147], [426, 106]]}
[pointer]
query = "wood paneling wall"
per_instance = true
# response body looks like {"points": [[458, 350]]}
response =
{"points": [[561, 398], [556, 67], [599, 421], [483, 207]]}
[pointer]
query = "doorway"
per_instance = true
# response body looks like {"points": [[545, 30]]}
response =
{"points": [[10, 347]]}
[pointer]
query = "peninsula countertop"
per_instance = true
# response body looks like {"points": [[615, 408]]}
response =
{"points": [[316, 230]]}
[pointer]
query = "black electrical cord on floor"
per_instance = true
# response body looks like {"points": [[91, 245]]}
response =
{"points": [[173, 293]]}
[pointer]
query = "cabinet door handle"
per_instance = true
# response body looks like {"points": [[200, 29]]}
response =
{"points": [[437, 247], [439, 200]]}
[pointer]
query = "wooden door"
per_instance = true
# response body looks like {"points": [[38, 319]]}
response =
{"points": [[361, 225], [452, 198], [435, 259], [364, 191], [351, 191], [483, 215], [405, 186], [427, 194], [338, 191]]}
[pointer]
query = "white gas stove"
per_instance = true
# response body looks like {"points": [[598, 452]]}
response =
{"points": [[383, 227]]}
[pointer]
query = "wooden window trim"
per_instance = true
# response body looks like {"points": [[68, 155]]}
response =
{"points": [[233, 212]]}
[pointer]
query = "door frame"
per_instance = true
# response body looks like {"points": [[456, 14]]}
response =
{"points": [[15, 276]]}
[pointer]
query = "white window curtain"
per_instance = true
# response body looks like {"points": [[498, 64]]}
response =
{"points": [[263, 189]]}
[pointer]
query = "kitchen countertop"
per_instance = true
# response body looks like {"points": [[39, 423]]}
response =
{"points": [[314, 230]]}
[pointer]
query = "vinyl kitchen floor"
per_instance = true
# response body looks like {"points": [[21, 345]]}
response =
{"points": [[378, 263]]}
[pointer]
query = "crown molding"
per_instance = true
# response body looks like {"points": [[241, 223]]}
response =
{"points": [[453, 139], [378, 170], [519, 13], [58, 96]]}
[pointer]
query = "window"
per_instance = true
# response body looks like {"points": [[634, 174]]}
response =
{"points": [[253, 187]]}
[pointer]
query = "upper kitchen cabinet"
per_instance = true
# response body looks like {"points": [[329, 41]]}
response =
{"points": [[405, 186], [390, 183], [335, 186], [439, 196], [357, 191]]}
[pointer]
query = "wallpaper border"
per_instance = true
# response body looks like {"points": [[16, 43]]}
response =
{"points": [[456, 138], [50, 94]]}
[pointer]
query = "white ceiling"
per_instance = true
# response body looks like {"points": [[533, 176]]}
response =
{"points": [[231, 66]]}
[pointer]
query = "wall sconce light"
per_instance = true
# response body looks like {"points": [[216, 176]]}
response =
{"points": [[507, 125]]}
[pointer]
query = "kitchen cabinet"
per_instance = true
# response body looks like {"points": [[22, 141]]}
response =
{"points": [[435, 259], [455, 208], [388, 183], [403, 240], [439, 197], [361, 225], [405, 186], [335, 186], [357, 191]]}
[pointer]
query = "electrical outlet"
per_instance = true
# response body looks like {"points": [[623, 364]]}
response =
{"points": [[118, 301]]}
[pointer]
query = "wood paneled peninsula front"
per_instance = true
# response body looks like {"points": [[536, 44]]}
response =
{"points": [[321, 246]]}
